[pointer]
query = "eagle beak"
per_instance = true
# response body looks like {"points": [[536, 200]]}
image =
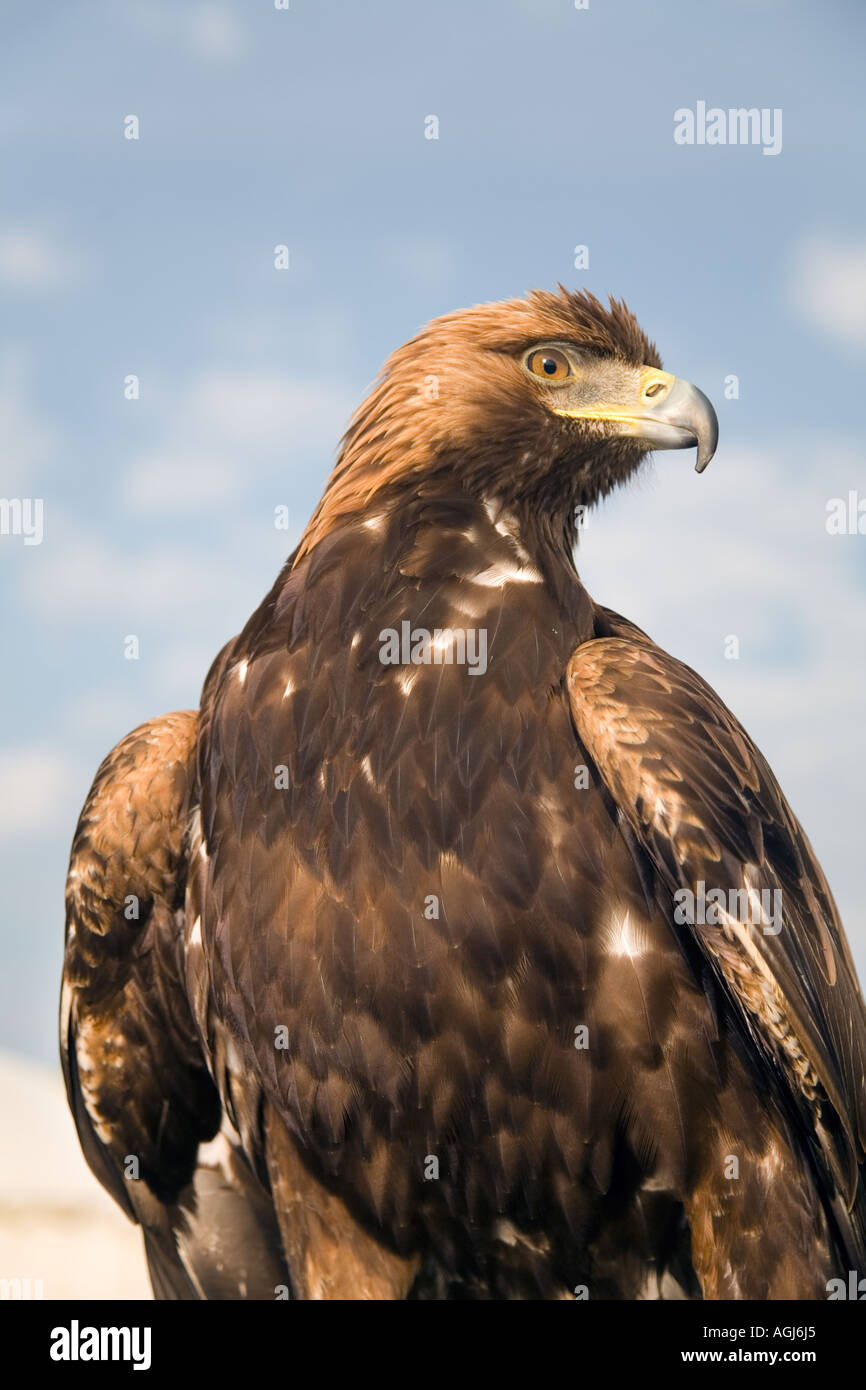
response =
{"points": [[664, 413]]}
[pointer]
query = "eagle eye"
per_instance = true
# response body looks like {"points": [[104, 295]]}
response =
{"points": [[548, 363]]}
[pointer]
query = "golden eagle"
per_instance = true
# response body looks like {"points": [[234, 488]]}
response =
{"points": [[462, 944]]}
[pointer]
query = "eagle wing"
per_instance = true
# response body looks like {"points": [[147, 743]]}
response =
{"points": [[701, 806], [148, 1115]]}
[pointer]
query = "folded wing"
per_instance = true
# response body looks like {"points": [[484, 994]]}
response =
{"points": [[149, 1118], [715, 830]]}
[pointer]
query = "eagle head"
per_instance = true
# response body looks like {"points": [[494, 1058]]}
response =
{"points": [[538, 404]]}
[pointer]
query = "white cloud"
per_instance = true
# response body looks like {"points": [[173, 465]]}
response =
{"points": [[272, 411], [102, 713], [827, 284], [215, 33], [38, 785], [212, 32], [228, 426], [31, 261], [81, 573], [26, 442], [188, 589], [180, 481]]}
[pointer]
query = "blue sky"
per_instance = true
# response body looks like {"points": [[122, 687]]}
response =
{"points": [[306, 128]]}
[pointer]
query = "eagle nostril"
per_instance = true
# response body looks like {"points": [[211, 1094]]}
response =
{"points": [[654, 389]]}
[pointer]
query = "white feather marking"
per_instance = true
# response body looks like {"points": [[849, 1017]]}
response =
{"points": [[506, 523], [625, 937], [497, 575]]}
